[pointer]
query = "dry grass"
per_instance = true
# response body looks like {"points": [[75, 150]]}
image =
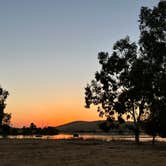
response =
{"points": [[80, 153]]}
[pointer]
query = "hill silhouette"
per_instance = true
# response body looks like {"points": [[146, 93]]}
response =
{"points": [[91, 126], [80, 126]]}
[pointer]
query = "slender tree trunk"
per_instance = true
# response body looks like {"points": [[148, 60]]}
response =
{"points": [[1, 115], [153, 140], [136, 130], [137, 122], [137, 135]]}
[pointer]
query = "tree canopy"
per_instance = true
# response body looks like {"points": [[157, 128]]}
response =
{"points": [[132, 78]]}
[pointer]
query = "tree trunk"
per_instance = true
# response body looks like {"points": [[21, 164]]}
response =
{"points": [[1, 115], [137, 136], [153, 140]]}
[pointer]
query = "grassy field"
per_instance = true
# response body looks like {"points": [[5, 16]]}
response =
{"points": [[15, 152]]}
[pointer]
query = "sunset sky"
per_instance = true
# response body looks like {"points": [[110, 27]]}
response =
{"points": [[48, 53]]}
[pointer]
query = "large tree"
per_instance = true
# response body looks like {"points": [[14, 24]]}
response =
{"points": [[3, 116], [153, 51], [133, 77]]}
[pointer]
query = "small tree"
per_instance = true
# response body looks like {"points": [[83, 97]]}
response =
{"points": [[3, 96], [33, 128]]}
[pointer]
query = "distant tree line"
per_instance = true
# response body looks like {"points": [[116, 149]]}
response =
{"points": [[131, 84], [34, 130], [31, 130]]}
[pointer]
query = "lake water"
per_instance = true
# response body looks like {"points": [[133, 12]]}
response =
{"points": [[103, 137]]}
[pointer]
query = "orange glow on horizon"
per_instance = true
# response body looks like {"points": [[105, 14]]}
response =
{"points": [[50, 114], [52, 108]]}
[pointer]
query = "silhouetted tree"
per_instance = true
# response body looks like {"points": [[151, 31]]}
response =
{"points": [[134, 75], [153, 49], [6, 119], [106, 126], [3, 96], [33, 128], [6, 124]]}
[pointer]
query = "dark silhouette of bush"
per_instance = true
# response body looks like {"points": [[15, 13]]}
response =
{"points": [[5, 130], [50, 131], [34, 130]]}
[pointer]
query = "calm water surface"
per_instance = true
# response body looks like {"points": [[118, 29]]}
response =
{"points": [[103, 137]]}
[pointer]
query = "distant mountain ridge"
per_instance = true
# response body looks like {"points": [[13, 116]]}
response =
{"points": [[90, 126], [80, 126]]}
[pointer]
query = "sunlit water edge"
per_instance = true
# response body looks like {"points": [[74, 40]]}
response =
{"points": [[103, 137]]}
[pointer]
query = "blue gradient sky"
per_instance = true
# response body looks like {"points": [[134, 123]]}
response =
{"points": [[48, 52]]}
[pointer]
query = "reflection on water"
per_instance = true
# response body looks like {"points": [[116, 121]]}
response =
{"points": [[104, 137]]}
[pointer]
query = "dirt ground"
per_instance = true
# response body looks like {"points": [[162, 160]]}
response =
{"points": [[79, 153]]}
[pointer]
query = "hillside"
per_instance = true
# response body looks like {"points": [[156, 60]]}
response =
{"points": [[92, 126], [80, 126]]}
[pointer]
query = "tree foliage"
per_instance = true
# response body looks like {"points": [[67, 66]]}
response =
{"points": [[133, 77], [4, 117]]}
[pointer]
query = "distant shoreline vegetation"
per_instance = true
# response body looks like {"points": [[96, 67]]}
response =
{"points": [[31, 130]]}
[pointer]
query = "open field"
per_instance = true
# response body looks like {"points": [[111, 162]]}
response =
{"points": [[15, 152]]}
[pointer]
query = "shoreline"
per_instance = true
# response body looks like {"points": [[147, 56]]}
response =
{"points": [[87, 136]]}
